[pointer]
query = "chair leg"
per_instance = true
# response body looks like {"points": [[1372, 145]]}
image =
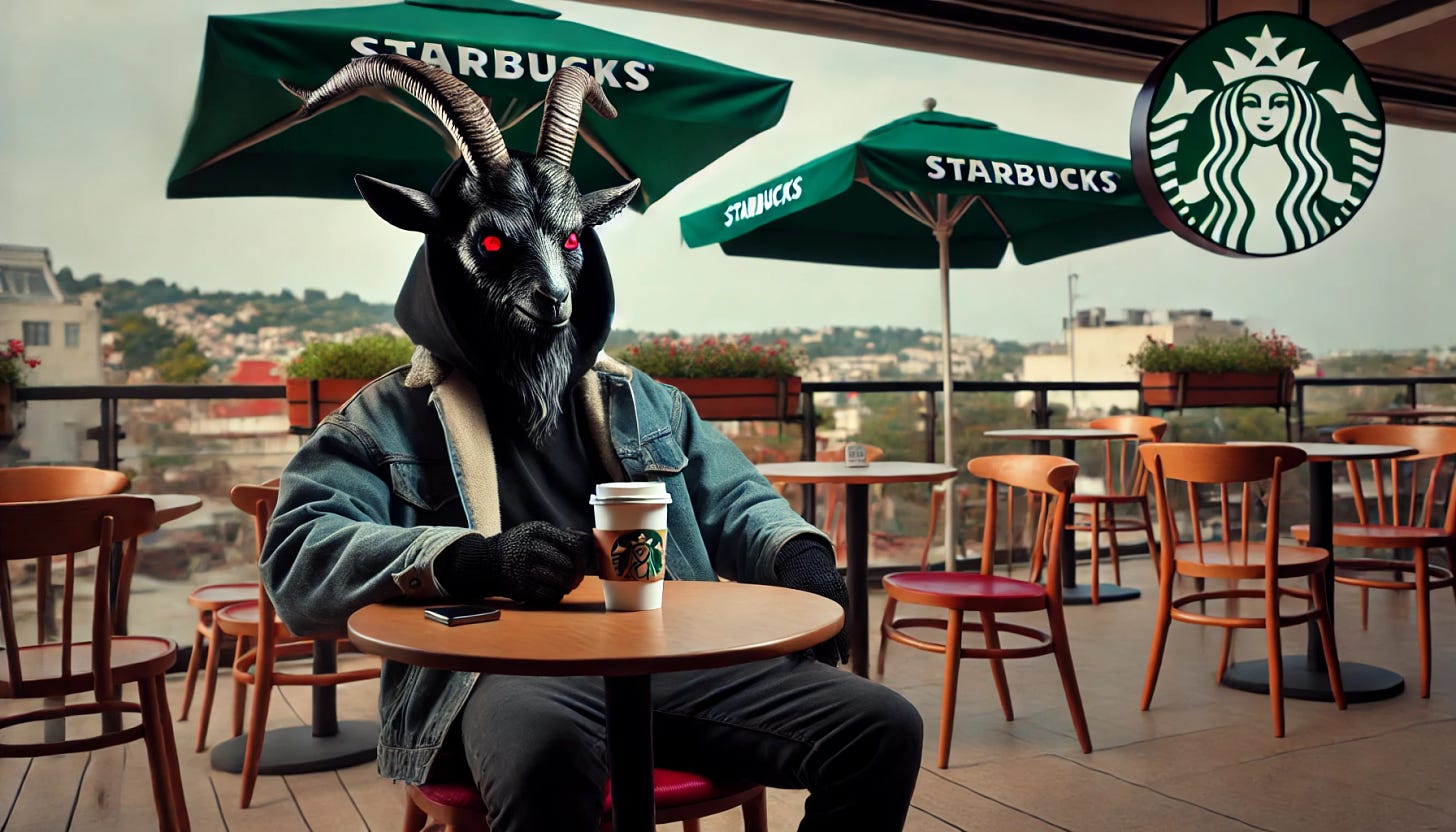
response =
{"points": [[1160, 635], [257, 725], [885, 621], [1112, 544], [998, 666], [954, 622], [691, 825], [240, 689], [755, 813], [209, 683], [1096, 555], [194, 663], [1276, 658], [166, 770], [1423, 619], [1152, 544], [1062, 649], [1327, 638], [1364, 608], [1223, 656]]}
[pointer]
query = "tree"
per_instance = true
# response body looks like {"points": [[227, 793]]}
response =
{"points": [[141, 339], [182, 362]]}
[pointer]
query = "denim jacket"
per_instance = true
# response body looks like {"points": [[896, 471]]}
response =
{"points": [[392, 478]]}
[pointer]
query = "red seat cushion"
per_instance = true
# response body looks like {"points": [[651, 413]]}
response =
{"points": [[669, 788], [965, 585]]}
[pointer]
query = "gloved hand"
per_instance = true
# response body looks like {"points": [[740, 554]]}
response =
{"points": [[535, 563], [807, 563]]}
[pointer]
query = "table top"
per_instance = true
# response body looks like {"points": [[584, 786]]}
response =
{"points": [[837, 472], [169, 507], [1339, 451], [1043, 434], [1405, 413], [702, 624]]}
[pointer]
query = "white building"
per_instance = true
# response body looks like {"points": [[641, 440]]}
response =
{"points": [[1100, 347], [64, 332]]}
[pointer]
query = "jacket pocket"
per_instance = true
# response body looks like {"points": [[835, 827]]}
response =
{"points": [[426, 486], [663, 455]]}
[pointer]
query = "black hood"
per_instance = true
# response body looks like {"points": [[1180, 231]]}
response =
{"points": [[435, 305]]}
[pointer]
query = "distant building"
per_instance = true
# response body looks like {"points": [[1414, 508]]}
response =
{"points": [[1100, 347], [64, 332]]}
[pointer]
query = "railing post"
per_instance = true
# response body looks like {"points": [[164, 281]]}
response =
{"points": [[1410, 394], [930, 419], [1040, 411], [806, 452], [107, 454]]}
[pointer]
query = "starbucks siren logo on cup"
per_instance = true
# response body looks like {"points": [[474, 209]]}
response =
{"points": [[631, 535]]}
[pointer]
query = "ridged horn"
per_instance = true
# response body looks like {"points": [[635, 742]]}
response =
{"points": [[561, 114], [459, 109]]}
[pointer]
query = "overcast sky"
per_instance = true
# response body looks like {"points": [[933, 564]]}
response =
{"points": [[94, 96]]}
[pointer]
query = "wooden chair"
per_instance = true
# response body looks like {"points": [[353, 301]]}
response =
{"points": [[680, 797], [1406, 518], [207, 600], [270, 642], [35, 483], [59, 528], [1048, 480], [1238, 556], [1125, 483]]}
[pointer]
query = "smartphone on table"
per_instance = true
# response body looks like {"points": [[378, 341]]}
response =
{"points": [[462, 614]]}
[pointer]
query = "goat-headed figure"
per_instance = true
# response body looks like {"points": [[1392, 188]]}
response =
{"points": [[513, 223]]}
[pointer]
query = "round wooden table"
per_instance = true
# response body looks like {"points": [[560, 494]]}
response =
{"points": [[702, 624], [856, 482], [1307, 676], [1041, 442], [1405, 415]]}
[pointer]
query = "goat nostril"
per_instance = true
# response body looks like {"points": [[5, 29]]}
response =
{"points": [[553, 299]]}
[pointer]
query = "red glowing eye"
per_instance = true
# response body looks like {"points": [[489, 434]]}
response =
{"points": [[571, 242], [491, 243]]}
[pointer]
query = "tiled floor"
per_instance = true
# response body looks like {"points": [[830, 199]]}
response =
{"points": [[1203, 758]]}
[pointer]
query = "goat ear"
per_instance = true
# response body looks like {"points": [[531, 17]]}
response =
{"points": [[401, 207], [599, 206]]}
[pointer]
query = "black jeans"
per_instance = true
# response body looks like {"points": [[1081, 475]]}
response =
{"points": [[537, 746]]}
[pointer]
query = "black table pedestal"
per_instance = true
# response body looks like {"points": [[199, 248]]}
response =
{"points": [[1072, 593], [857, 541], [325, 745], [629, 752]]}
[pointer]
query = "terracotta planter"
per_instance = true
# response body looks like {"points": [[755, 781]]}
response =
{"points": [[741, 398], [1180, 390], [332, 392]]}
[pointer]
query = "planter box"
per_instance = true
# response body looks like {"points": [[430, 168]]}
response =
{"points": [[10, 413], [1179, 390], [331, 393], [741, 398]]}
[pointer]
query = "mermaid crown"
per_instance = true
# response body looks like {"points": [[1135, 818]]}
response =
{"points": [[1265, 62]]}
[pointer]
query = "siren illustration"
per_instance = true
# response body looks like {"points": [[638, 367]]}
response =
{"points": [[1255, 151]]}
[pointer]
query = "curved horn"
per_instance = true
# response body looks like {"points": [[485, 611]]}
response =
{"points": [[562, 112], [460, 110]]}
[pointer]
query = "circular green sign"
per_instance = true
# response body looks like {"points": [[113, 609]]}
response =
{"points": [[1260, 136]]}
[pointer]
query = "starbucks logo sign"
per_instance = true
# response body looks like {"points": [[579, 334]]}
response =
{"points": [[1260, 136]]}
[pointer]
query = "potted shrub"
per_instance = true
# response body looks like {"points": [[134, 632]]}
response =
{"points": [[1251, 370], [14, 366], [328, 373], [730, 378]]}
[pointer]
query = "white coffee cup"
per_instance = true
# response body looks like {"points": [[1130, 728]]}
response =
{"points": [[631, 534]]}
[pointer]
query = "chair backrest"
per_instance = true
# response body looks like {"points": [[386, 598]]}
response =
{"points": [[259, 501], [33, 483], [872, 453], [1196, 464], [61, 528], [1047, 481], [1123, 472], [1412, 499]]}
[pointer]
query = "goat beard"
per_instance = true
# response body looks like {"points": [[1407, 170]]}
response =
{"points": [[533, 378]]}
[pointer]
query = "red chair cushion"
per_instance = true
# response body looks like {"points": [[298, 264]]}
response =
{"points": [[965, 585], [669, 788]]}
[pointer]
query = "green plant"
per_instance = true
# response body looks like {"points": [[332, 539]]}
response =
{"points": [[1251, 353], [368, 357], [14, 366], [712, 358]]}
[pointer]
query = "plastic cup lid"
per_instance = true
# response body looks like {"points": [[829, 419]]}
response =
{"points": [[631, 493]]}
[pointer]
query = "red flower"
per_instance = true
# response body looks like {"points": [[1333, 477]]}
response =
{"points": [[32, 363]]}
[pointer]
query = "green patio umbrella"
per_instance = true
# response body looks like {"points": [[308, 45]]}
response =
{"points": [[677, 112], [971, 187]]}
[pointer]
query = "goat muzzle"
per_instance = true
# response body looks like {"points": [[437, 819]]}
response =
{"points": [[546, 309]]}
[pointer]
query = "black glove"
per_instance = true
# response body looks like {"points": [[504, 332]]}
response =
{"points": [[535, 563], [807, 563]]}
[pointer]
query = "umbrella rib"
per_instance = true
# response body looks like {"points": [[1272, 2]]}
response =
{"points": [[508, 121], [388, 97], [999, 224], [962, 207], [596, 144], [898, 200]]}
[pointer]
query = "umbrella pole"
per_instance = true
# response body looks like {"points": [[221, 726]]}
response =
{"points": [[942, 237]]}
